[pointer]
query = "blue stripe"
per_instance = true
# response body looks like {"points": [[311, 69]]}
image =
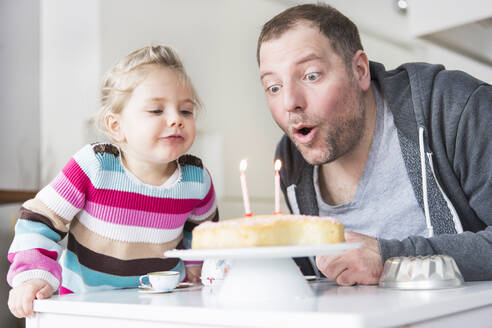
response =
{"points": [[121, 182], [192, 173], [96, 278], [25, 226], [187, 239], [110, 163]]}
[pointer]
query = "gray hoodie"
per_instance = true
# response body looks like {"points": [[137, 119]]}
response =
{"points": [[444, 123]]}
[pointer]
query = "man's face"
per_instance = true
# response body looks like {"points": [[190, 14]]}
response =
{"points": [[311, 96]]}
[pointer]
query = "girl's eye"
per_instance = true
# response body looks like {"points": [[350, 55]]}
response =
{"points": [[187, 112], [312, 76], [274, 88], [156, 111]]}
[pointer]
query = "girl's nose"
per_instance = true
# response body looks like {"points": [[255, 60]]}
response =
{"points": [[175, 120]]}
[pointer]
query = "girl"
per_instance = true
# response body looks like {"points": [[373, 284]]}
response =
{"points": [[122, 203]]}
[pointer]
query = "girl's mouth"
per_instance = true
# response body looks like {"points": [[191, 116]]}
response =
{"points": [[173, 138]]}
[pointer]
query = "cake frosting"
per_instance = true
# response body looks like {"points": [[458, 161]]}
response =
{"points": [[268, 230]]}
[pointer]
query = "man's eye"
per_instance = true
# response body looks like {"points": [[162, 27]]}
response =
{"points": [[274, 88], [312, 76]]}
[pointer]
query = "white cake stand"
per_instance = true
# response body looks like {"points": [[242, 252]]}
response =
{"points": [[262, 273]]}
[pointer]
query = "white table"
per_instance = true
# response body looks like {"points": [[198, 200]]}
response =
{"points": [[333, 306]]}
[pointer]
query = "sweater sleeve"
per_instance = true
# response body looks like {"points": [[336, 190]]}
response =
{"points": [[205, 210], [43, 222], [472, 160]]}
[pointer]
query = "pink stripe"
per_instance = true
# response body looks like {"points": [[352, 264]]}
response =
{"points": [[68, 191], [206, 203], [114, 198], [210, 194], [76, 176], [205, 208], [64, 291], [32, 259], [193, 262], [137, 218], [131, 200], [50, 254]]}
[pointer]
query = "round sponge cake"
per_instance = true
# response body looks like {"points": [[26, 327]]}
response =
{"points": [[268, 230]]}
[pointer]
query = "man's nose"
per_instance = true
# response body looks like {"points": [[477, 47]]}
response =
{"points": [[294, 98]]}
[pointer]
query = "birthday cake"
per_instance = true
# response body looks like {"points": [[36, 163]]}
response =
{"points": [[268, 230]]}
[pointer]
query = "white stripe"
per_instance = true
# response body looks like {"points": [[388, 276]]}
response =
{"points": [[126, 233], [198, 218], [424, 182], [291, 194], [57, 203], [27, 241], [36, 274], [87, 160], [457, 222]]}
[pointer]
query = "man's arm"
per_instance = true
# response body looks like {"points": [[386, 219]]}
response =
{"points": [[472, 163], [470, 153]]}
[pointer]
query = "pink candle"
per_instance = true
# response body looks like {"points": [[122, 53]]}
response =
{"points": [[278, 165], [244, 188]]}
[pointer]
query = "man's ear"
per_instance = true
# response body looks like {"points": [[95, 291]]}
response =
{"points": [[113, 126], [360, 69]]}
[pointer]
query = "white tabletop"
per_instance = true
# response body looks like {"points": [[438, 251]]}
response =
{"points": [[356, 306]]}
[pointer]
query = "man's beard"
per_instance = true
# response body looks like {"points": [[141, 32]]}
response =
{"points": [[343, 134]]}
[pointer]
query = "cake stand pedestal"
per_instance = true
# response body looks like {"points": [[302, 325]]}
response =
{"points": [[250, 280], [262, 273]]}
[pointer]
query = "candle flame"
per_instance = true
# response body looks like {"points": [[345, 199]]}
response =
{"points": [[278, 165], [243, 165]]}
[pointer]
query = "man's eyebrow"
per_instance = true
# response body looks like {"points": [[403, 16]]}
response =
{"points": [[308, 58], [305, 59], [265, 74]]}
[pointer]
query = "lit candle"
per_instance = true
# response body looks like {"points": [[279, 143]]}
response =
{"points": [[278, 165], [242, 168]]}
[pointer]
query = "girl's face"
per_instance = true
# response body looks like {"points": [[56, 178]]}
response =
{"points": [[157, 125]]}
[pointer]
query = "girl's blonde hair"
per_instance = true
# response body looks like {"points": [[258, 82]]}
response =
{"points": [[120, 81]]}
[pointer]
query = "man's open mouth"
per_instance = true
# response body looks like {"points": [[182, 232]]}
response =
{"points": [[304, 131], [304, 134]]}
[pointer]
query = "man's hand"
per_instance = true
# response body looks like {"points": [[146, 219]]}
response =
{"points": [[193, 273], [21, 297], [357, 266]]}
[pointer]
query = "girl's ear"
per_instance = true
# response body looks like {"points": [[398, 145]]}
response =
{"points": [[360, 67], [113, 126]]}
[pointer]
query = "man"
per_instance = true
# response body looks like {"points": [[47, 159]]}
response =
{"points": [[403, 158]]}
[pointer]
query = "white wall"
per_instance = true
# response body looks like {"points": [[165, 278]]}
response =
{"points": [[70, 57], [19, 88]]}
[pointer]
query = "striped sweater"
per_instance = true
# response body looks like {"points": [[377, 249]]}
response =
{"points": [[118, 227]]}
